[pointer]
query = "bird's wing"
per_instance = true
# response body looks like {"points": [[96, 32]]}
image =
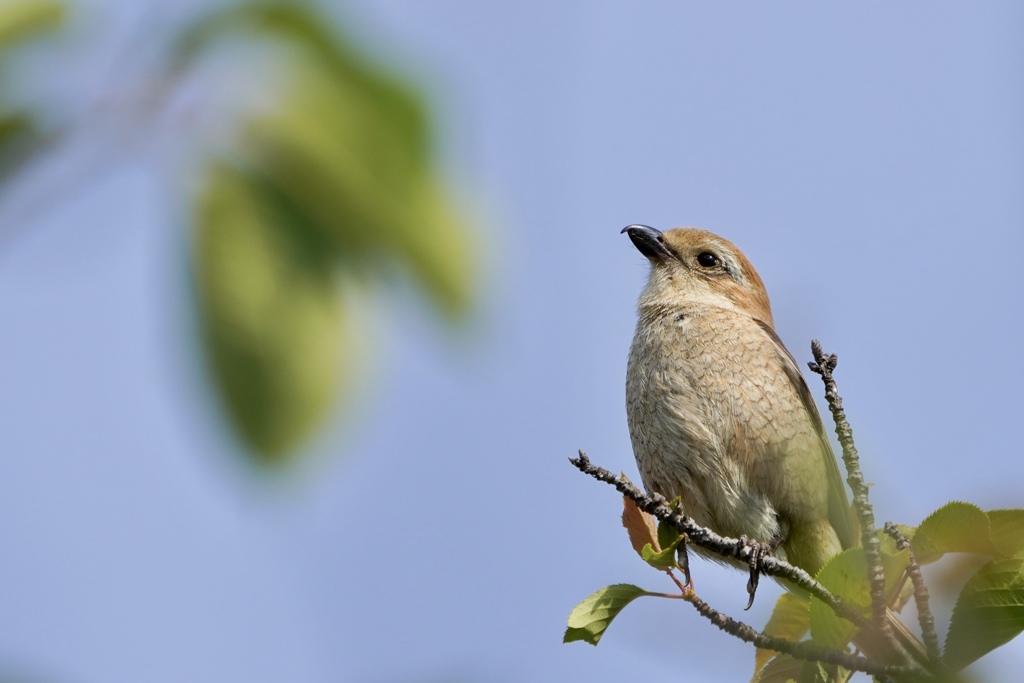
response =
{"points": [[840, 515]]}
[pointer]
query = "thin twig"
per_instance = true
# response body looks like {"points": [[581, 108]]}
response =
{"points": [[924, 612], [800, 650], [823, 365], [656, 505]]}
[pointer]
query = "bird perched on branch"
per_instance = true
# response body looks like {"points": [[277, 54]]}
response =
{"points": [[718, 411], [720, 415]]}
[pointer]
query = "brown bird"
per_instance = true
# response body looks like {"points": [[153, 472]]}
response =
{"points": [[718, 411], [720, 415]]}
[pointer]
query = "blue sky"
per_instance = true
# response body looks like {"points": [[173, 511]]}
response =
{"points": [[867, 158]]}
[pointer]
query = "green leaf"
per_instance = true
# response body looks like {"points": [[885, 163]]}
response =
{"points": [[668, 534], [665, 559], [347, 144], [20, 19], [791, 618], [988, 613], [669, 540], [370, 198], [846, 576], [1007, 531], [954, 528], [19, 139], [21, 131], [590, 619], [300, 25], [784, 668], [337, 175], [270, 311]]}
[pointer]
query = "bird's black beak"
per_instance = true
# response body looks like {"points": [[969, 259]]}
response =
{"points": [[649, 241]]}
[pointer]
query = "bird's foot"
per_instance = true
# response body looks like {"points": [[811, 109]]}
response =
{"points": [[683, 560], [758, 551]]}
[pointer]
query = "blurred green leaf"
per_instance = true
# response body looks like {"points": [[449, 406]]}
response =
{"points": [[18, 135], [371, 216], [270, 311], [20, 19], [954, 528], [591, 618], [988, 613], [21, 135], [784, 668], [343, 158], [846, 576], [790, 619], [300, 25], [334, 149], [1007, 531]]}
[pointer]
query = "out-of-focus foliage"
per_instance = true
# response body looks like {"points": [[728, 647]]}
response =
{"points": [[20, 19], [790, 619], [271, 310], [785, 668], [795, 614], [334, 176], [325, 183], [989, 609], [988, 613], [20, 130], [846, 574]]}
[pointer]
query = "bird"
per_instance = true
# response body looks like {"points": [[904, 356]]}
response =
{"points": [[718, 412], [721, 418]]}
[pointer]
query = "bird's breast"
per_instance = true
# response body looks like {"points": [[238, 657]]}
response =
{"points": [[714, 419]]}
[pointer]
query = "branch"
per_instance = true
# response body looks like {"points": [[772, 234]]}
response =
{"points": [[656, 504], [824, 365], [924, 612], [800, 650]]}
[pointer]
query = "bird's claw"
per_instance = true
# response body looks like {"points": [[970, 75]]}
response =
{"points": [[683, 560], [758, 551]]}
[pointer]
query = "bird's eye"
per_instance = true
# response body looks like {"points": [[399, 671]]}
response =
{"points": [[707, 260]]}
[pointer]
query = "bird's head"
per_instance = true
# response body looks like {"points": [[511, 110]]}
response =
{"points": [[695, 267]]}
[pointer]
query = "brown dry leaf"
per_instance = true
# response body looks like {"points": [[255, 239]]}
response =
{"points": [[639, 525]]}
